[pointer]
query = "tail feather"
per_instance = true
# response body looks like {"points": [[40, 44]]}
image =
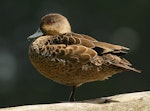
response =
{"points": [[119, 62], [128, 67]]}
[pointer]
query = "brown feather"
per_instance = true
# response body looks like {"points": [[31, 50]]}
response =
{"points": [[73, 59]]}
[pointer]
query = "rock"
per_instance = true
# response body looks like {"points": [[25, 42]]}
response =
{"points": [[139, 101]]}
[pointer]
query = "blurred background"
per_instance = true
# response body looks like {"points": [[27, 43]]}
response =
{"points": [[125, 22]]}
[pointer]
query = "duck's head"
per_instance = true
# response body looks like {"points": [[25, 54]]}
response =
{"points": [[52, 24]]}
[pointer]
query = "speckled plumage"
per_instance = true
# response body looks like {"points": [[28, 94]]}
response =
{"points": [[74, 59]]}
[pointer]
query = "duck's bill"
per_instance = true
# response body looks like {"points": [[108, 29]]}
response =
{"points": [[38, 33]]}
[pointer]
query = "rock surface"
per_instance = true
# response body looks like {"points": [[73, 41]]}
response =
{"points": [[139, 101]]}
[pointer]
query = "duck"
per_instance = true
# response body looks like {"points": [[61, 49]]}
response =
{"points": [[73, 59]]}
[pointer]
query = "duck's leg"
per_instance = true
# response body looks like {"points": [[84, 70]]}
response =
{"points": [[72, 95]]}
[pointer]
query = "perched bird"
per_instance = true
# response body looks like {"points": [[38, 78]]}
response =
{"points": [[73, 59]]}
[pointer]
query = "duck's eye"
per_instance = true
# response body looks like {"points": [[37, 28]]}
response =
{"points": [[50, 21]]}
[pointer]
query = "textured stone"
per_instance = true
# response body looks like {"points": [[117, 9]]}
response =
{"points": [[124, 102]]}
